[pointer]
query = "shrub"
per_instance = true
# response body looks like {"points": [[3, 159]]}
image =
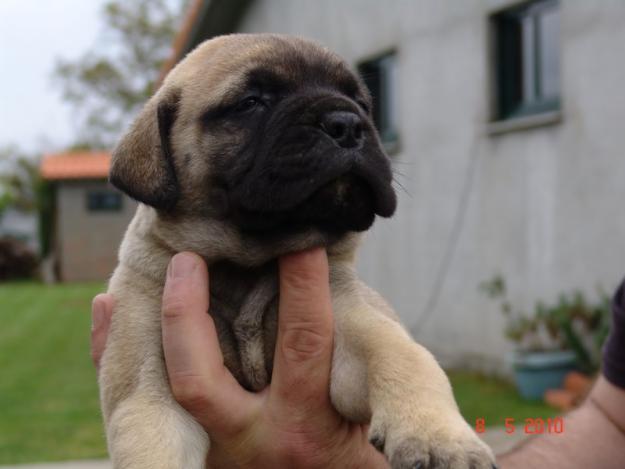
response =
{"points": [[571, 322], [17, 260]]}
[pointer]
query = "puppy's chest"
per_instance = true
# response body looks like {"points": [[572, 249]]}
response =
{"points": [[243, 304]]}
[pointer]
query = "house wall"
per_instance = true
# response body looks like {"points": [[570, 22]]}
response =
{"points": [[87, 241], [543, 207]]}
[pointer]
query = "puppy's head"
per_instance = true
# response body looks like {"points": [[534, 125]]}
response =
{"points": [[270, 134]]}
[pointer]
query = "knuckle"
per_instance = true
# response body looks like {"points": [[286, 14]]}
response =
{"points": [[174, 306], [190, 391], [303, 342], [304, 447], [95, 358], [303, 278], [299, 278]]}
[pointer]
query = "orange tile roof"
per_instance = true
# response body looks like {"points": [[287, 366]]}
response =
{"points": [[76, 165]]}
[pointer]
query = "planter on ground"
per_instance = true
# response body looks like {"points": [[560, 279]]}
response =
{"points": [[535, 372]]}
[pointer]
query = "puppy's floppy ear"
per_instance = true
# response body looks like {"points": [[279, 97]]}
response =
{"points": [[142, 164]]}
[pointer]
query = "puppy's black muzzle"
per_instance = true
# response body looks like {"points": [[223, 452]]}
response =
{"points": [[316, 162], [345, 128]]}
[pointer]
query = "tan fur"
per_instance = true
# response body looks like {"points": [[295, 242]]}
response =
{"points": [[379, 374]]}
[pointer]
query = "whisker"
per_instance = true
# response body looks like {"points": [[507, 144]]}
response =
{"points": [[399, 173], [402, 187], [405, 162]]}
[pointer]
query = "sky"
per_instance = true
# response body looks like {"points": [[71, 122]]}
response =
{"points": [[33, 34]]}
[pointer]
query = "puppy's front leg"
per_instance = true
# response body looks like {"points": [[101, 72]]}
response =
{"points": [[145, 426], [379, 372], [156, 433]]}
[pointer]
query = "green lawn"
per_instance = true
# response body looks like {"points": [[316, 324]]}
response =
{"points": [[48, 393], [494, 400]]}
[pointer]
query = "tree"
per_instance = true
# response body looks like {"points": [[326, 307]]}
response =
{"points": [[23, 189], [107, 85], [19, 181]]}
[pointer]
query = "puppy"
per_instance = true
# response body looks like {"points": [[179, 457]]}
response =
{"points": [[253, 147]]}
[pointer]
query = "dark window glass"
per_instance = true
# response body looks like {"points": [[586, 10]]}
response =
{"points": [[380, 75], [104, 201], [527, 56]]}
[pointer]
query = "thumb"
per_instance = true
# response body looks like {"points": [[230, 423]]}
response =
{"points": [[101, 313], [303, 354]]}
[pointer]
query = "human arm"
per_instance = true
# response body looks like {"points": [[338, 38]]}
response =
{"points": [[594, 434]]}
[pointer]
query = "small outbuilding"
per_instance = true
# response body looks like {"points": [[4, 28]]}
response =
{"points": [[89, 216]]}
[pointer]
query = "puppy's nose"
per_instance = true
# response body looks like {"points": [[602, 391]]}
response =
{"points": [[344, 127]]}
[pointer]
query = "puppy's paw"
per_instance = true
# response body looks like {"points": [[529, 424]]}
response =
{"points": [[429, 442]]}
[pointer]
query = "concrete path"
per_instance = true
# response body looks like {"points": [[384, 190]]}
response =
{"points": [[500, 441], [496, 438], [99, 464]]}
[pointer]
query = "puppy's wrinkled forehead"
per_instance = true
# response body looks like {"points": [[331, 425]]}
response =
{"points": [[222, 68]]}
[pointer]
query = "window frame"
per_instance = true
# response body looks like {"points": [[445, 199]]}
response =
{"points": [[505, 77], [93, 201], [389, 134]]}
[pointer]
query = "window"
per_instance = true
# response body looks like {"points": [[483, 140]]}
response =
{"points": [[104, 201], [380, 75], [527, 65]]}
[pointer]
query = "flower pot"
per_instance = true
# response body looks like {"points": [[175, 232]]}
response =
{"points": [[535, 372]]}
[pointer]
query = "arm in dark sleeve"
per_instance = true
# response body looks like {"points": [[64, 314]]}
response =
{"points": [[614, 349]]}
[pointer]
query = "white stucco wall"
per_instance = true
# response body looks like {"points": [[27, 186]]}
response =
{"points": [[544, 207]]}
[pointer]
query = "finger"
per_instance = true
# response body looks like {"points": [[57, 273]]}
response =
{"points": [[198, 378], [305, 335], [101, 313]]}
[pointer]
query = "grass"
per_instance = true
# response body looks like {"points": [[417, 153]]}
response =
{"points": [[494, 400], [48, 393]]}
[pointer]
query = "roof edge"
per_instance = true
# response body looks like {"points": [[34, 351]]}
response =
{"points": [[85, 165], [204, 19]]}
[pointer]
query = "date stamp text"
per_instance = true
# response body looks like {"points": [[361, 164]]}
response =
{"points": [[529, 426]]}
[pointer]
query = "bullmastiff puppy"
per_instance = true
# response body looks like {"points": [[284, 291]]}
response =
{"points": [[253, 147]]}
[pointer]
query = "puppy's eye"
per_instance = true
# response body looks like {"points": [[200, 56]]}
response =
{"points": [[248, 104], [365, 107]]}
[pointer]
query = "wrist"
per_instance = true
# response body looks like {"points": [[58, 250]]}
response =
{"points": [[610, 400]]}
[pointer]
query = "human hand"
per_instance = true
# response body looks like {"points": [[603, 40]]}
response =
{"points": [[292, 422]]}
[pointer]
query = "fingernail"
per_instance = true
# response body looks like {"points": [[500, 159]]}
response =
{"points": [[97, 314], [182, 265]]}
